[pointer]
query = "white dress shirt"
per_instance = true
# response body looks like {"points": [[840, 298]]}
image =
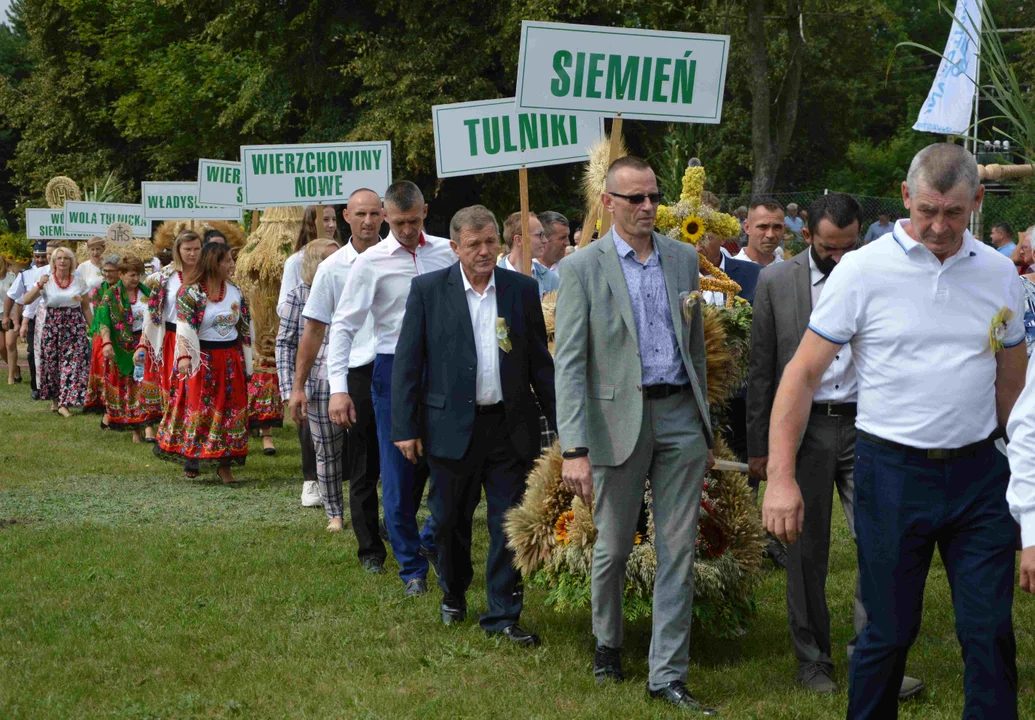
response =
{"points": [[839, 384], [92, 274], [290, 278], [487, 387], [743, 255], [1020, 493], [712, 297], [22, 284], [328, 286], [378, 285], [919, 333]]}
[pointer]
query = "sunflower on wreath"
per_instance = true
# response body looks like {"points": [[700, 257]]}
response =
{"points": [[690, 219]]}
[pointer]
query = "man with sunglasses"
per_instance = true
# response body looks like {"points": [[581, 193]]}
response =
{"points": [[631, 398], [515, 259]]}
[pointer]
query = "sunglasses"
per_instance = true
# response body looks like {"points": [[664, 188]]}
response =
{"points": [[637, 199]]}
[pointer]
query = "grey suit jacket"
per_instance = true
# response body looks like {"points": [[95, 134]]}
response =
{"points": [[597, 368], [783, 304]]}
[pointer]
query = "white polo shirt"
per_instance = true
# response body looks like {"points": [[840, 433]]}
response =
{"points": [[378, 286], [328, 286], [1020, 493], [839, 384], [919, 333]]}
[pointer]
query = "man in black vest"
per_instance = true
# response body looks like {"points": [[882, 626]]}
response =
{"points": [[471, 350]]}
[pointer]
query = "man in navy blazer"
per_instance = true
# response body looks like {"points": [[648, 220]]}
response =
{"points": [[471, 351], [745, 274]]}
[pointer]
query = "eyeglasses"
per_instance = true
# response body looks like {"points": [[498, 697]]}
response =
{"points": [[541, 235], [637, 199]]}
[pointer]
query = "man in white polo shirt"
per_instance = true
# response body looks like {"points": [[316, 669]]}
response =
{"points": [[365, 216], [934, 320], [377, 287]]}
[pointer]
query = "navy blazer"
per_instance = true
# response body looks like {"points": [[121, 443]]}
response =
{"points": [[433, 378], [745, 274]]}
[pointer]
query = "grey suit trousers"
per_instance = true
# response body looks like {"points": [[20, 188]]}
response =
{"points": [[671, 449], [826, 461]]}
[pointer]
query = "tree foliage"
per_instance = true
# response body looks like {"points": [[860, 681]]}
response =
{"points": [[143, 88]]}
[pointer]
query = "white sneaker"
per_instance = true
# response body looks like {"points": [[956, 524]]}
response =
{"points": [[311, 494]]}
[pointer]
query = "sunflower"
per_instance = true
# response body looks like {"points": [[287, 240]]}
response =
{"points": [[692, 229], [562, 526]]}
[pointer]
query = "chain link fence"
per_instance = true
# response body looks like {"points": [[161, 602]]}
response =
{"points": [[1015, 208]]}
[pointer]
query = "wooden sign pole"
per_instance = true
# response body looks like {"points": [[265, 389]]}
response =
{"points": [[526, 237], [255, 220], [612, 155]]}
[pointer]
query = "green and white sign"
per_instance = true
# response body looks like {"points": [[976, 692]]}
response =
{"points": [[313, 174], [179, 201], [219, 183], [93, 218], [46, 224], [491, 136], [641, 74]]}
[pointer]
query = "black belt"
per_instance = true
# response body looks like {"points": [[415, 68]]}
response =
{"points": [[658, 392], [170, 327], [218, 344], [496, 409], [834, 409], [936, 453]]}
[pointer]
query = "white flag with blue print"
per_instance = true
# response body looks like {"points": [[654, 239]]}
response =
{"points": [[951, 100]]}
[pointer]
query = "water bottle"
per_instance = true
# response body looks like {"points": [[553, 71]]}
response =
{"points": [[138, 368]]}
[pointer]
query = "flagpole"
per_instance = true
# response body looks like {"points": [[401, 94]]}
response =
{"points": [[976, 218]]}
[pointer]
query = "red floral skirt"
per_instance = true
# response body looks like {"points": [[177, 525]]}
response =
{"points": [[168, 362], [131, 404], [206, 418], [152, 399], [265, 408], [64, 357], [95, 384]]}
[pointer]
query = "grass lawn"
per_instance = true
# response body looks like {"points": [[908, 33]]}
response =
{"points": [[127, 591]]}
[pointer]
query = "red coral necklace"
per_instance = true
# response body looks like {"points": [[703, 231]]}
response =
{"points": [[64, 285], [222, 292]]}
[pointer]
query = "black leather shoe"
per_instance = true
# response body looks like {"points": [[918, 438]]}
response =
{"points": [[416, 586], [607, 664], [373, 565], [453, 614], [675, 693], [35, 394], [516, 635]]}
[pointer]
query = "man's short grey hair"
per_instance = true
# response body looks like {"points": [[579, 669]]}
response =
{"points": [[112, 259], [943, 166], [404, 195], [551, 218], [475, 217], [791, 207]]}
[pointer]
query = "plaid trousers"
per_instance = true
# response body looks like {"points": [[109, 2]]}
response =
{"points": [[329, 441]]}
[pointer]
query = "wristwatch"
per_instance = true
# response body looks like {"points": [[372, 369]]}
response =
{"points": [[575, 453]]}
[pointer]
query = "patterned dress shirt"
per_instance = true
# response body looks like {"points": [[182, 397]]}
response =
{"points": [[660, 359]]}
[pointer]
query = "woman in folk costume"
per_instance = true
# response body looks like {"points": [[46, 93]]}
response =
{"points": [[98, 365], [64, 348], [205, 421], [325, 486], [265, 407], [160, 321], [119, 319]]}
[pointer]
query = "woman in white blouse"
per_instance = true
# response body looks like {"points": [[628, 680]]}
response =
{"points": [[205, 422], [64, 348]]}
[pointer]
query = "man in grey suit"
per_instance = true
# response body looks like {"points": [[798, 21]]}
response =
{"points": [[631, 399], [784, 299]]}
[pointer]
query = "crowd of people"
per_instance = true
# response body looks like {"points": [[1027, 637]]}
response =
{"points": [[887, 364]]}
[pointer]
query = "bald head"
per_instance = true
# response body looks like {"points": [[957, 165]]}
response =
{"points": [[364, 215]]}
